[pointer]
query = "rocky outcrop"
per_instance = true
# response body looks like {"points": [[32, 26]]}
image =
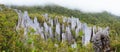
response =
{"points": [[53, 29], [1, 9], [101, 41], [87, 34]]}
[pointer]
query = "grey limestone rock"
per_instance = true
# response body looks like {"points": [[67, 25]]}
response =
{"points": [[0, 8], [87, 34], [62, 32], [101, 41]]}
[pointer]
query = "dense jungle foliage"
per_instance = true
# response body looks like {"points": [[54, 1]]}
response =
{"points": [[11, 40]]}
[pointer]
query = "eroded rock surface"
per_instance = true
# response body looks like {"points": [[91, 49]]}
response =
{"points": [[51, 28], [101, 41]]}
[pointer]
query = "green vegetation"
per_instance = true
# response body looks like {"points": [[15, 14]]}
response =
{"points": [[8, 19], [12, 40]]}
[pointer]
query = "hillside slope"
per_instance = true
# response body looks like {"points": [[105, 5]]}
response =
{"points": [[100, 19], [11, 40]]}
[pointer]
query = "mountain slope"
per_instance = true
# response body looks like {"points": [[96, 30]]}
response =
{"points": [[100, 19], [11, 40]]}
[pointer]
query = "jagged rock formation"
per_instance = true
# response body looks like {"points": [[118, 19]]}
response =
{"points": [[1, 9], [101, 41], [87, 32], [53, 29]]}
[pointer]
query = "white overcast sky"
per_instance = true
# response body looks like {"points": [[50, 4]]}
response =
{"points": [[112, 6]]}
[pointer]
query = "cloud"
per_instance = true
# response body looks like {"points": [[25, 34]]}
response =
{"points": [[111, 6]]}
